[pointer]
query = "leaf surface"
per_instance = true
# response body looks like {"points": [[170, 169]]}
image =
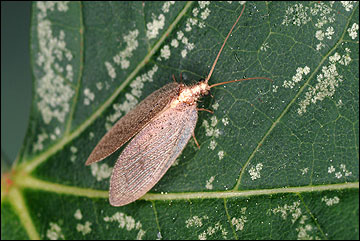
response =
{"points": [[277, 160]]}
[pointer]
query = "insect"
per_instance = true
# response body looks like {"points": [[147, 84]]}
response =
{"points": [[162, 125]]}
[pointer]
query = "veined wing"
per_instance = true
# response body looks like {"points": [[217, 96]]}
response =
{"points": [[150, 154], [133, 122]]}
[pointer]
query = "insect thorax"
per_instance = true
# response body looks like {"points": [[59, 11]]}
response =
{"points": [[190, 94]]}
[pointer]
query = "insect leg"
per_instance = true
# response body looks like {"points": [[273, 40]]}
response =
{"points": [[196, 142], [210, 111]]}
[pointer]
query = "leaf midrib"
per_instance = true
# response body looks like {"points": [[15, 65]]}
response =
{"points": [[38, 184]]}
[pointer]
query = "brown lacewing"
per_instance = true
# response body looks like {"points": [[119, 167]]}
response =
{"points": [[162, 125]]}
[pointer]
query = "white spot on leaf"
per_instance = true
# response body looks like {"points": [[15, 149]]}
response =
{"points": [[330, 201], [154, 26], [255, 171], [126, 222], [54, 233], [100, 171], [78, 214]]}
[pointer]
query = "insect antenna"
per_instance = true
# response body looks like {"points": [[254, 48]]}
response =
{"points": [[218, 55], [238, 80]]}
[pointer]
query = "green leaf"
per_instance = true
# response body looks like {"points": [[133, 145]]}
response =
{"points": [[277, 160]]}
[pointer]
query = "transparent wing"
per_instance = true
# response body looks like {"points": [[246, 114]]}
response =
{"points": [[133, 122], [150, 154]]}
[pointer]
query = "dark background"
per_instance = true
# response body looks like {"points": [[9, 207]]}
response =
{"points": [[16, 80]]}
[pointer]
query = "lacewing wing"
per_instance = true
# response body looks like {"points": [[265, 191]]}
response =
{"points": [[162, 125], [133, 122], [150, 154]]}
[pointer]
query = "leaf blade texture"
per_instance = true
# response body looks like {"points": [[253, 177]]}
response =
{"points": [[277, 160]]}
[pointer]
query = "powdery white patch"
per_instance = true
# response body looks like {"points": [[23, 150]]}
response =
{"points": [[345, 171], [89, 96], [211, 130], [304, 232], [188, 46], [339, 104], [54, 233], [293, 209], [110, 69], [203, 4], [225, 121], [215, 106], [297, 15], [62, 6], [304, 171], [319, 35], [174, 43], [183, 53], [330, 201], [56, 134], [348, 5], [205, 14], [320, 46], [69, 72], [165, 52], [297, 77], [255, 171], [214, 121], [275, 88], [195, 221], [73, 150], [53, 91], [180, 35], [77, 214], [131, 99], [331, 169], [221, 155], [100, 171], [353, 31], [188, 27], [57, 131], [154, 26], [38, 146], [209, 183], [127, 222], [189, 23], [122, 58], [212, 145], [239, 223], [304, 227], [327, 81], [329, 32], [338, 175], [322, 13], [99, 85], [264, 47], [166, 6], [84, 228], [212, 230], [91, 135]]}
